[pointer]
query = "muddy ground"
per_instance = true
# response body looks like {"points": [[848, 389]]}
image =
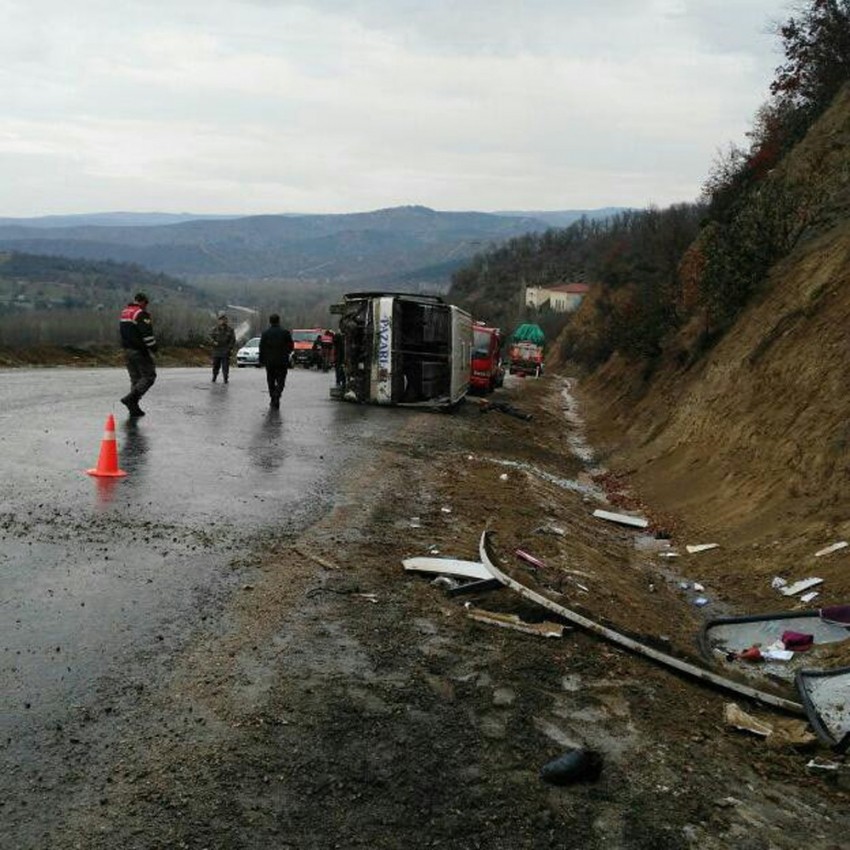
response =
{"points": [[339, 702]]}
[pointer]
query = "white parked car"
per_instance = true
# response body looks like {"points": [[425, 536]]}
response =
{"points": [[249, 354]]}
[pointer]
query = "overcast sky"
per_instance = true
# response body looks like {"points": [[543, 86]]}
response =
{"points": [[267, 106]]}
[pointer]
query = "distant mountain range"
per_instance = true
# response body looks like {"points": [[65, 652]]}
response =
{"points": [[402, 245]]}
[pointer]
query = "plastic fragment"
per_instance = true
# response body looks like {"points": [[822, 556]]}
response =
{"points": [[817, 764], [801, 585], [701, 547], [777, 654], [529, 558], [842, 544], [623, 519], [751, 654]]}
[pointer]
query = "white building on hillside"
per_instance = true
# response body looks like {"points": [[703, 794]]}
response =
{"points": [[563, 298]]}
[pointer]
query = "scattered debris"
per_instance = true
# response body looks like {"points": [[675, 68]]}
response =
{"points": [[415, 522], [701, 547], [700, 601], [322, 562], [818, 765], [446, 509], [808, 597], [778, 582], [777, 654], [668, 554], [825, 698], [573, 766], [446, 582], [488, 559], [836, 614], [773, 634], [369, 597], [475, 587], [698, 587], [530, 559], [736, 717], [503, 476], [751, 654], [447, 566], [842, 544], [590, 491], [556, 530], [800, 586], [623, 519], [780, 731], [511, 621]]}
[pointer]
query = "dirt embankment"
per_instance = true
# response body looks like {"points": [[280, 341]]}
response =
{"points": [[750, 446]]}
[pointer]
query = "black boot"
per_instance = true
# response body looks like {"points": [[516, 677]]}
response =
{"points": [[132, 404]]}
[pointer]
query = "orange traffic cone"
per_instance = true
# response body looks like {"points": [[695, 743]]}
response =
{"points": [[107, 463]]}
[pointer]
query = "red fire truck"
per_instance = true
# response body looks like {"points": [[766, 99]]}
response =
{"points": [[486, 369]]}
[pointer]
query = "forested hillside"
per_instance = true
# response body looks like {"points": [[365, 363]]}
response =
{"points": [[65, 301], [35, 280], [714, 343], [696, 266]]}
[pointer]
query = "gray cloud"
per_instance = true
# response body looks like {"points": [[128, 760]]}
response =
{"points": [[260, 106]]}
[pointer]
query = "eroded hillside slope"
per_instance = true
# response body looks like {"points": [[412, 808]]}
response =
{"points": [[751, 443]]}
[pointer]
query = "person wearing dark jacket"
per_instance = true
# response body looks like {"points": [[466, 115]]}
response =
{"points": [[139, 344], [275, 350], [223, 341]]}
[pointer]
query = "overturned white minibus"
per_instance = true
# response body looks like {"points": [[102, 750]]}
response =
{"points": [[402, 349]]}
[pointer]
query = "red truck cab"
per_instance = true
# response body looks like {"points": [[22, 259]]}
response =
{"points": [[304, 353], [486, 368]]}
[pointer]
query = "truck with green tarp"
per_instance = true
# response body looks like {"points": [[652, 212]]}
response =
{"points": [[525, 350]]}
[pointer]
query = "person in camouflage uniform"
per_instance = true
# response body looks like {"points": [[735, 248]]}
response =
{"points": [[223, 341], [139, 344]]}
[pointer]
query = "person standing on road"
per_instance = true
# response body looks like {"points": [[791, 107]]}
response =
{"points": [[317, 351], [339, 358], [139, 344], [275, 350], [327, 341], [223, 341]]}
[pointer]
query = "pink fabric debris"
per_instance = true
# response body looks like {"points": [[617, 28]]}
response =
{"points": [[797, 641]]}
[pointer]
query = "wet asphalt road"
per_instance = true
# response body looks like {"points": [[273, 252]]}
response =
{"points": [[97, 576]]}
